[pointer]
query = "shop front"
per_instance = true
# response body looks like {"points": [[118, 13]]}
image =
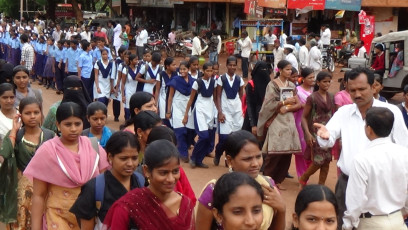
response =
{"points": [[202, 16]]}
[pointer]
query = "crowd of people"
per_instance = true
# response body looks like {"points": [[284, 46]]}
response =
{"points": [[68, 170]]}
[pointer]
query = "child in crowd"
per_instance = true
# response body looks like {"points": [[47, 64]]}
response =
{"points": [[162, 90], [71, 58], [179, 95], [129, 83], [319, 108], [59, 66], [15, 45], [378, 86], [230, 88], [97, 54], [150, 71], [97, 114], [117, 79], [204, 89], [49, 68], [85, 67], [194, 69], [147, 58], [40, 49], [103, 85]]}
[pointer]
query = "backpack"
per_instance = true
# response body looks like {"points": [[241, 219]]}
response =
{"points": [[100, 187]]}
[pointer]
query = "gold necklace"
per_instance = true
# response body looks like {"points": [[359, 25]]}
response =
{"points": [[283, 85]]}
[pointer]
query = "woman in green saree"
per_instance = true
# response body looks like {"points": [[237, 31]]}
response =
{"points": [[19, 146]]}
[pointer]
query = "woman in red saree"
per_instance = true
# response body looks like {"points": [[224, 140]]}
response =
{"points": [[157, 206]]}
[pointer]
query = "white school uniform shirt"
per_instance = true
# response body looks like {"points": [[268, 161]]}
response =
{"points": [[348, 124], [231, 108], [178, 109], [204, 108], [148, 87], [378, 181], [115, 76], [162, 98], [130, 86], [104, 83]]}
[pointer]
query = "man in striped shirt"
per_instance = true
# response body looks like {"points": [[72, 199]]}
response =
{"points": [[27, 53]]}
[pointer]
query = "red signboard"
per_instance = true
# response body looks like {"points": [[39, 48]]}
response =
{"points": [[272, 3], [367, 31], [65, 10], [300, 4]]}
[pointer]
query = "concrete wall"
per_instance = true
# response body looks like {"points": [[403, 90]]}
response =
{"points": [[384, 19]]}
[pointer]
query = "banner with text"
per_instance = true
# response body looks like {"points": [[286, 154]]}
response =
{"points": [[272, 3], [300, 4], [350, 5]]}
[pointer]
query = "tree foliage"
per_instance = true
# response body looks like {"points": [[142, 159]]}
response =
{"points": [[10, 8]]}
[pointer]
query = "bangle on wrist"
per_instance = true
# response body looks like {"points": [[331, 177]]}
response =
{"points": [[283, 102]]}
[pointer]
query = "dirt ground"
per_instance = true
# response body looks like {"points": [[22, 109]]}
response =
{"points": [[199, 177]]}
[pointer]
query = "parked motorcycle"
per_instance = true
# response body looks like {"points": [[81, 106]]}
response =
{"points": [[328, 58], [345, 56]]}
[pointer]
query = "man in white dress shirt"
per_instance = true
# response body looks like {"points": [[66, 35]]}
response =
{"points": [[270, 37], [349, 124], [377, 187], [87, 34], [117, 40], [141, 41], [196, 51], [315, 58], [290, 57], [303, 54], [325, 35], [362, 50], [246, 48], [278, 55]]}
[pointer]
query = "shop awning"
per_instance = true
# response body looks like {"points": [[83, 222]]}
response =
{"points": [[384, 3]]}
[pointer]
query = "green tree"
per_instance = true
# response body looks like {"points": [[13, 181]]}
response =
{"points": [[10, 8]]}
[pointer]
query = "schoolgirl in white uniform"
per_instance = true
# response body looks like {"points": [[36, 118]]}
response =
{"points": [[229, 92], [116, 76], [151, 73], [147, 58], [129, 83], [103, 85], [179, 95], [162, 89], [203, 112]]}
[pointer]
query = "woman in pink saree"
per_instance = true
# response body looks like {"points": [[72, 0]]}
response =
{"points": [[60, 167], [303, 91]]}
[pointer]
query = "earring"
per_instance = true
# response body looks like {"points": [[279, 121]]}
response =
{"points": [[110, 162], [219, 223], [148, 180], [230, 169]]}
